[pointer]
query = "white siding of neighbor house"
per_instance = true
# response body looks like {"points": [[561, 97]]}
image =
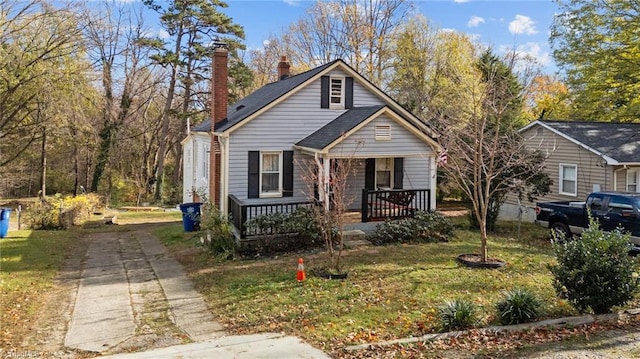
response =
{"points": [[592, 173], [281, 127], [196, 162]]}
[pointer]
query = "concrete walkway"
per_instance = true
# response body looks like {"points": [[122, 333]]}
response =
{"points": [[132, 295], [264, 346]]}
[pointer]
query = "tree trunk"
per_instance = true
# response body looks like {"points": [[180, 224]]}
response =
{"points": [[164, 133], [43, 162]]}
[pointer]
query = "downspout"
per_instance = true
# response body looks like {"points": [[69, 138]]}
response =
{"points": [[224, 165]]}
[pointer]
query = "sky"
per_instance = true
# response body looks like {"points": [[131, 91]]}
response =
{"points": [[504, 25]]}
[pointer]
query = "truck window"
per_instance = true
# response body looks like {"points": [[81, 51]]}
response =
{"points": [[619, 205], [596, 204]]}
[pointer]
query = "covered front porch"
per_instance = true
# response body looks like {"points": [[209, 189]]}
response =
{"points": [[375, 206]]}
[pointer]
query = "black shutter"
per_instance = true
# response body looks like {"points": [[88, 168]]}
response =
{"points": [[254, 175], [370, 174], [324, 92], [348, 95], [287, 173], [398, 169]]}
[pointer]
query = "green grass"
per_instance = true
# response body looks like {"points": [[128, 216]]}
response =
{"points": [[29, 263], [127, 217], [391, 292]]}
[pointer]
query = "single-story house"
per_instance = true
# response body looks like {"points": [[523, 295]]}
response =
{"points": [[248, 158], [583, 157]]}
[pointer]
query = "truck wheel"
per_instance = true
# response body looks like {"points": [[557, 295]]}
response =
{"points": [[560, 232]]}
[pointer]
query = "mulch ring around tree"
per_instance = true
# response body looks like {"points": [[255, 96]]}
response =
{"points": [[475, 261]]}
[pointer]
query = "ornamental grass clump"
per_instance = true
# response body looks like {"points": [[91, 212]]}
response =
{"points": [[595, 273], [518, 306], [457, 314]]}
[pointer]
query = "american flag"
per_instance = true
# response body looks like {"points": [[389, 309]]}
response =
{"points": [[442, 158]]}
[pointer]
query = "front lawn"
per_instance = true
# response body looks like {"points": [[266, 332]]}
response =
{"points": [[29, 263], [392, 292]]}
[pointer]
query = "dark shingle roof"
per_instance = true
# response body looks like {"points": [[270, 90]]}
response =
{"points": [[259, 99], [336, 128], [620, 141]]}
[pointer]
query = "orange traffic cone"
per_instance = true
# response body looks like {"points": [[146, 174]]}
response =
{"points": [[301, 276]]}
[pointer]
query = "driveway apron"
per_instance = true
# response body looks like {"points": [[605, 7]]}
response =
{"points": [[126, 278]]}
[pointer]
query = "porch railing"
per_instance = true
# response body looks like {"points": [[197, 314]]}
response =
{"points": [[242, 212], [378, 205]]}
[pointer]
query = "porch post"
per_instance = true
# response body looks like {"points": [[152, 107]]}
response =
{"points": [[433, 172], [326, 176]]}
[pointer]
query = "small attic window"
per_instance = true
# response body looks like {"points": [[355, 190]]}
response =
{"points": [[382, 132]]}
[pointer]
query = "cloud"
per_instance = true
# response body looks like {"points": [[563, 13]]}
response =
{"points": [[523, 25], [475, 21], [163, 34], [460, 1], [529, 50], [292, 2]]}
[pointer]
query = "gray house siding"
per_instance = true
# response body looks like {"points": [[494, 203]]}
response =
{"points": [[592, 174], [363, 142], [361, 95], [282, 126]]}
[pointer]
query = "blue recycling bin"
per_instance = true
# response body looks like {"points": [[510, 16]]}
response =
{"points": [[4, 221], [190, 216]]}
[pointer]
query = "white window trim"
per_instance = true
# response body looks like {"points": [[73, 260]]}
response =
{"points": [[637, 171], [342, 92], [561, 189], [375, 177], [205, 162], [382, 132], [271, 194]]}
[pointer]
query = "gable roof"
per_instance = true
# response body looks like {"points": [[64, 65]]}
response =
{"points": [[272, 93], [259, 99], [336, 128], [617, 143]]}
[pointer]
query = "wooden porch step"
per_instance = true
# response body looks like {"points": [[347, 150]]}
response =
{"points": [[354, 238]]}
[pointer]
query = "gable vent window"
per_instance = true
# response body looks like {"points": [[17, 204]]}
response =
{"points": [[337, 92], [383, 132]]}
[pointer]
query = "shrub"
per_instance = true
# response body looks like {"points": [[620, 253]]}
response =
{"points": [[282, 232], [60, 212], [457, 314], [424, 227], [219, 228], [518, 306], [595, 272]]}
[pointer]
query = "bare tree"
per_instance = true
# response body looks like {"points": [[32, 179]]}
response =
{"points": [[328, 186], [356, 31], [486, 156]]}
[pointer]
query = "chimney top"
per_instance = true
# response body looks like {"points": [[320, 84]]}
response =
{"points": [[283, 68]]}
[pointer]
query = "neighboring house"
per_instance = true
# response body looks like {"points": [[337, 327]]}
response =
{"points": [[329, 112], [583, 157]]}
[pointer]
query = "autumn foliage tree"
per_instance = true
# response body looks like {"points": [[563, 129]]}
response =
{"points": [[596, 44]]}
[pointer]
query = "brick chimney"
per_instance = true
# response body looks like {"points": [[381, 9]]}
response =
{"points": [[219, 101], [283, 68]]}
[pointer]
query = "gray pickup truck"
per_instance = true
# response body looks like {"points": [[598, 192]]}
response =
{"points": [[611, 209]]}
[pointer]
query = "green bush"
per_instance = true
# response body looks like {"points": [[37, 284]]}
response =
{"points": [[424, 227], [595, 272], [518, 306], [61, 212], [219, 228], [457, 314], [281, 232]]}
